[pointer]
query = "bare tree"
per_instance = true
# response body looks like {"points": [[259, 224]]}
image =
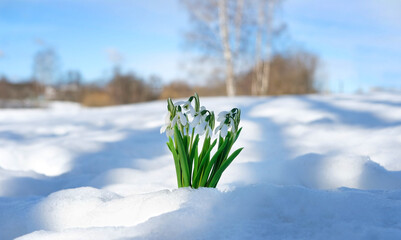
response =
{"points": [[263, 48], [45, 68], [293, 72], [218, 32], [239, 32], [227, 51]]}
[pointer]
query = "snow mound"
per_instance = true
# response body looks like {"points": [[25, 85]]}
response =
{"points": [[313, 167], [253, 212]]}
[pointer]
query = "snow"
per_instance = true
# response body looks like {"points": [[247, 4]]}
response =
{"points": [[313, 167]]}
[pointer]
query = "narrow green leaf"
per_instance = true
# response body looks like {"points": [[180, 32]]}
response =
{"points": [[203, 163], [170, 145], [195, 168], [205, 147], [223, 167], [192, 153], [210, 165], [224, 154], [237, 134], [183, 157]]}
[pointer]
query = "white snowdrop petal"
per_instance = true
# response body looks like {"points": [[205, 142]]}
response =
{"points": [[216, 130], [232, 125], [221, 118], [163, 128], [167, 118], [223, 114], [196, 121], [179, 103], [192, 110], [199, 130], [210, 131], [224, 131], [174, 121], [170, 132], [183, 119]]}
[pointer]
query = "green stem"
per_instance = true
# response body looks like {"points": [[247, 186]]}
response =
{"points": [[183, 157]]}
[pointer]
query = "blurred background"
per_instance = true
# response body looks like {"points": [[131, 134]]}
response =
{"points": [[102, 52]]}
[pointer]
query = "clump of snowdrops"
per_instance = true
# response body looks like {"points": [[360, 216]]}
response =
{"points": [[189, 126]]}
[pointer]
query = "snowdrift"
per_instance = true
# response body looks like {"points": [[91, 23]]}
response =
{"points": [[313, 167]]}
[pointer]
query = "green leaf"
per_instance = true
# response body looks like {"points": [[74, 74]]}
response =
{"points": [[192, 152], [195, 169], [197, 102], [229, 142], [203, 163], [237, 134], [195, 147], [210, 165], [183, 157], [205, 147], [223, 167], [170, 145], [170, 104]]}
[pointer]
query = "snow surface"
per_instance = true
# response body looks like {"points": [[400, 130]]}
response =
{"points": [[313, 167]]}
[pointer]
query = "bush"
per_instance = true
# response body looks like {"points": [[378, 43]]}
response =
{"points": [[97, 99]]}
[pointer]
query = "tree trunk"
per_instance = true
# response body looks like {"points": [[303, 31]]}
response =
{"points": [[262, 75], [238, 26], [257, 84], [227, 52], [266, 65]]}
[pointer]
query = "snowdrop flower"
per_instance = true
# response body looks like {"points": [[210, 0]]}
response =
{"points": [[198, 117], [187, 106], [227, 122], [196, 121], [203, 127], [223, 128], [222, 116], [185, 124], [183, 118], [201, 122], [169, 124]]}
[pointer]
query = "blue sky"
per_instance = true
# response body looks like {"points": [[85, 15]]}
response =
{"points": [[358, 41]]}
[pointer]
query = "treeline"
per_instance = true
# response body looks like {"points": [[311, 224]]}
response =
{"points": [[291, 73]]}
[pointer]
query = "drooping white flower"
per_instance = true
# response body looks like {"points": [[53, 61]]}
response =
{"points": [[218, 128], [209, 131], [179, 103], [186, 105], [200, 128], [196, 120], [166, 123], [168, 126], [183, 119], [222, 116], [199, 123], [226, 123], [170, 132], [224, 130]]}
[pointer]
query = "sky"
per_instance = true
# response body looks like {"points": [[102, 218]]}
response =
{"points": [[357, 41]]}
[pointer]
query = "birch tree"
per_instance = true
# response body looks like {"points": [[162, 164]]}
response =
{"points": [[218, 32], [227, 50], [263, 48], [238, 32]]}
